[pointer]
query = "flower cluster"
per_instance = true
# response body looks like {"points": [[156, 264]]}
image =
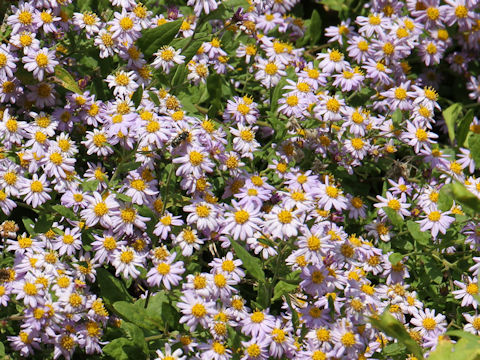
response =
{"points": [[259, 187]]}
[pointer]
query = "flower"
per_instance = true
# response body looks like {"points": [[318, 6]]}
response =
{"points": [[436, 221], [167, 272], [167, 57], [40, 62]]}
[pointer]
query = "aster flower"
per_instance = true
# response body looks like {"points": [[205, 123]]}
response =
{"points": [[196, 311], [125, 27], [167, 354], [167, 57], [436, 221], [40, 62], [35, 190], [428, 323], [126, 260], [166, 272]]}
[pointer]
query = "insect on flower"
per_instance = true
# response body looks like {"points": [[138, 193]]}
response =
{"points": [[180, 138]]}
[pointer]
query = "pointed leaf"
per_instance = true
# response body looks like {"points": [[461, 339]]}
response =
{"points": [[451, 115], [252, 264]]}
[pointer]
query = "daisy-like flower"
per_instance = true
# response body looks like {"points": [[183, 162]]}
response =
{"points": [[126, 219], [98, 142], [40, 62], [7, 62], [69, 242], [467, 292], [188, 241], [198, 71], [30, 291], [196, 310], [418, 137], [167, 272], [244, 141], [126, 260], [282, 222], [428, 324], [88, 21], [203, 214], [123, 82], [35, 190], [255, 349], [242, 221], [332, 61], [473, 325], [125, 27], [400, 96], [105, 41], [258, 324], [396, 204], [194, 162], [167, 57], [329, 195], [165, 223], [99, 210], [23, 18], [167, 354], [269, 72], [203, 5], [436, 221]]}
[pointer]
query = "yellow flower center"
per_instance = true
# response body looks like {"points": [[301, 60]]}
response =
{"points": [[434, 216], [292, 100], [271, 69], [285, 217], [254, 350], [30, 289], [394, 204], [433, 13], [100, 209], [25, 18], [257, 317], [241, 216], [348, 339], [336, 56], [333, 105], [126, 23], [163, 269], [128, 215], [246, 135], [332, 192], [198, 310], [42, 60], [126, 256], [429, 323], [461, 12], [196, 158], [472, 289], [36, 186]]}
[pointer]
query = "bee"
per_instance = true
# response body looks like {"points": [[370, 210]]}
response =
{"points": [[180, 138], [4, 275]]}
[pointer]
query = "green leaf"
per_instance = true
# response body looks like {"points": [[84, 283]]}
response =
{"points": [[394, 218], [451, 115], [91, 185], [66, 80], [65, 212], [179, 76], [263, 295], [336, 5], [395, 258], [464, 127], [136, 335], [443, 351], [422, 237], [283, 288], [445, 197], [29, 225], [474, 146], [394, 349], [463, 334], [154, 39], [43, 224], [252, 264], [465, 197], [315, 29], [121, 349], [111, 288], [154, 98], [137, 96], [277, 93], [397, 117], [137, 315], [394, 328], [128, 166], [2, 349]]}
